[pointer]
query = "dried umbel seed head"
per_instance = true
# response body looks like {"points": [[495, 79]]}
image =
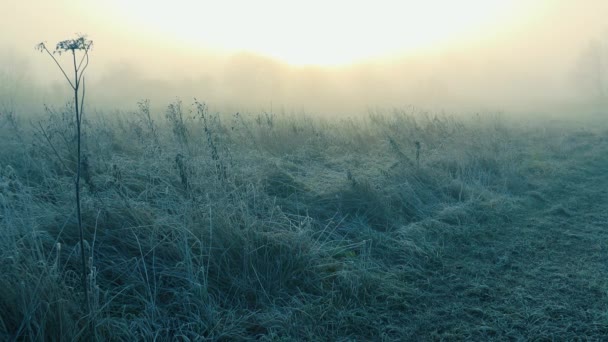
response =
{"points": [[79, 43]]}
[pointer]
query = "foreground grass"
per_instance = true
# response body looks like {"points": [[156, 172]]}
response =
{"points": [[203, 227]]}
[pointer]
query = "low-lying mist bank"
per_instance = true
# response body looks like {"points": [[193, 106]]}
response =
{"points": [[455, 81]]}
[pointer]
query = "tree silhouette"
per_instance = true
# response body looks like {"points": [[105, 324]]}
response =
{"points": [[593, 71]]}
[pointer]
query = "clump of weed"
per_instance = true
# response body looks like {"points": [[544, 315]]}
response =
{"points": [[175, 117], [152, 134], [212, 140]]}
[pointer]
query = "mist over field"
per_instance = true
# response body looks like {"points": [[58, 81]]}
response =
{"points": [[303, 171], [537, 62]]}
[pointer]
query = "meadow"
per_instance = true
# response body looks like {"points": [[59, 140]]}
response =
{"points": [[395, 225]]}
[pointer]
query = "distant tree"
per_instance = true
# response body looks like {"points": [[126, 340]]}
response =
{"points": [[592, 71], [13, 78]]}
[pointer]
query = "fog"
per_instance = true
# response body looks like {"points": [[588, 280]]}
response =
{"points": [[553, 60]]}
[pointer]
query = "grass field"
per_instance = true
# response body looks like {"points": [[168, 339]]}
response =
{"points": [[393, 226]]}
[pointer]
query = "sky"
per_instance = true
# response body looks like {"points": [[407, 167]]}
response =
{"points": [[315, 56]]}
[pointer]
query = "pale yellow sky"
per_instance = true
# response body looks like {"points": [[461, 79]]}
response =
{"points": [[297, 32], [462, 50], [317, 31]]}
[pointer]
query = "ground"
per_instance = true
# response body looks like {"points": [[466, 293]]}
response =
{"points": [[389, 227], [538, 274]]}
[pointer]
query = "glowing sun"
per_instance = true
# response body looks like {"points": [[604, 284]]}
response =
{"points": [[314, 31]]}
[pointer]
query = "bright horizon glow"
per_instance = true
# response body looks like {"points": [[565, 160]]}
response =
{"points": [[315, 32]]}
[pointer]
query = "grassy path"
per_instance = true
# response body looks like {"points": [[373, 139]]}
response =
{"points": [[540, 274]]}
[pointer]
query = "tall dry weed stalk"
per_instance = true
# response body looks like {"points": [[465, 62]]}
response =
{"points": [[77, 83], [146, 119], [203, 114], [175, 116]]}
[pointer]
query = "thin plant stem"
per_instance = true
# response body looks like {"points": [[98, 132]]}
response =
{"points": [[72, 46]]}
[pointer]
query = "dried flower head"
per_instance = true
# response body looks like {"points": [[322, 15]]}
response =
{"points": [[79, 43]]}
